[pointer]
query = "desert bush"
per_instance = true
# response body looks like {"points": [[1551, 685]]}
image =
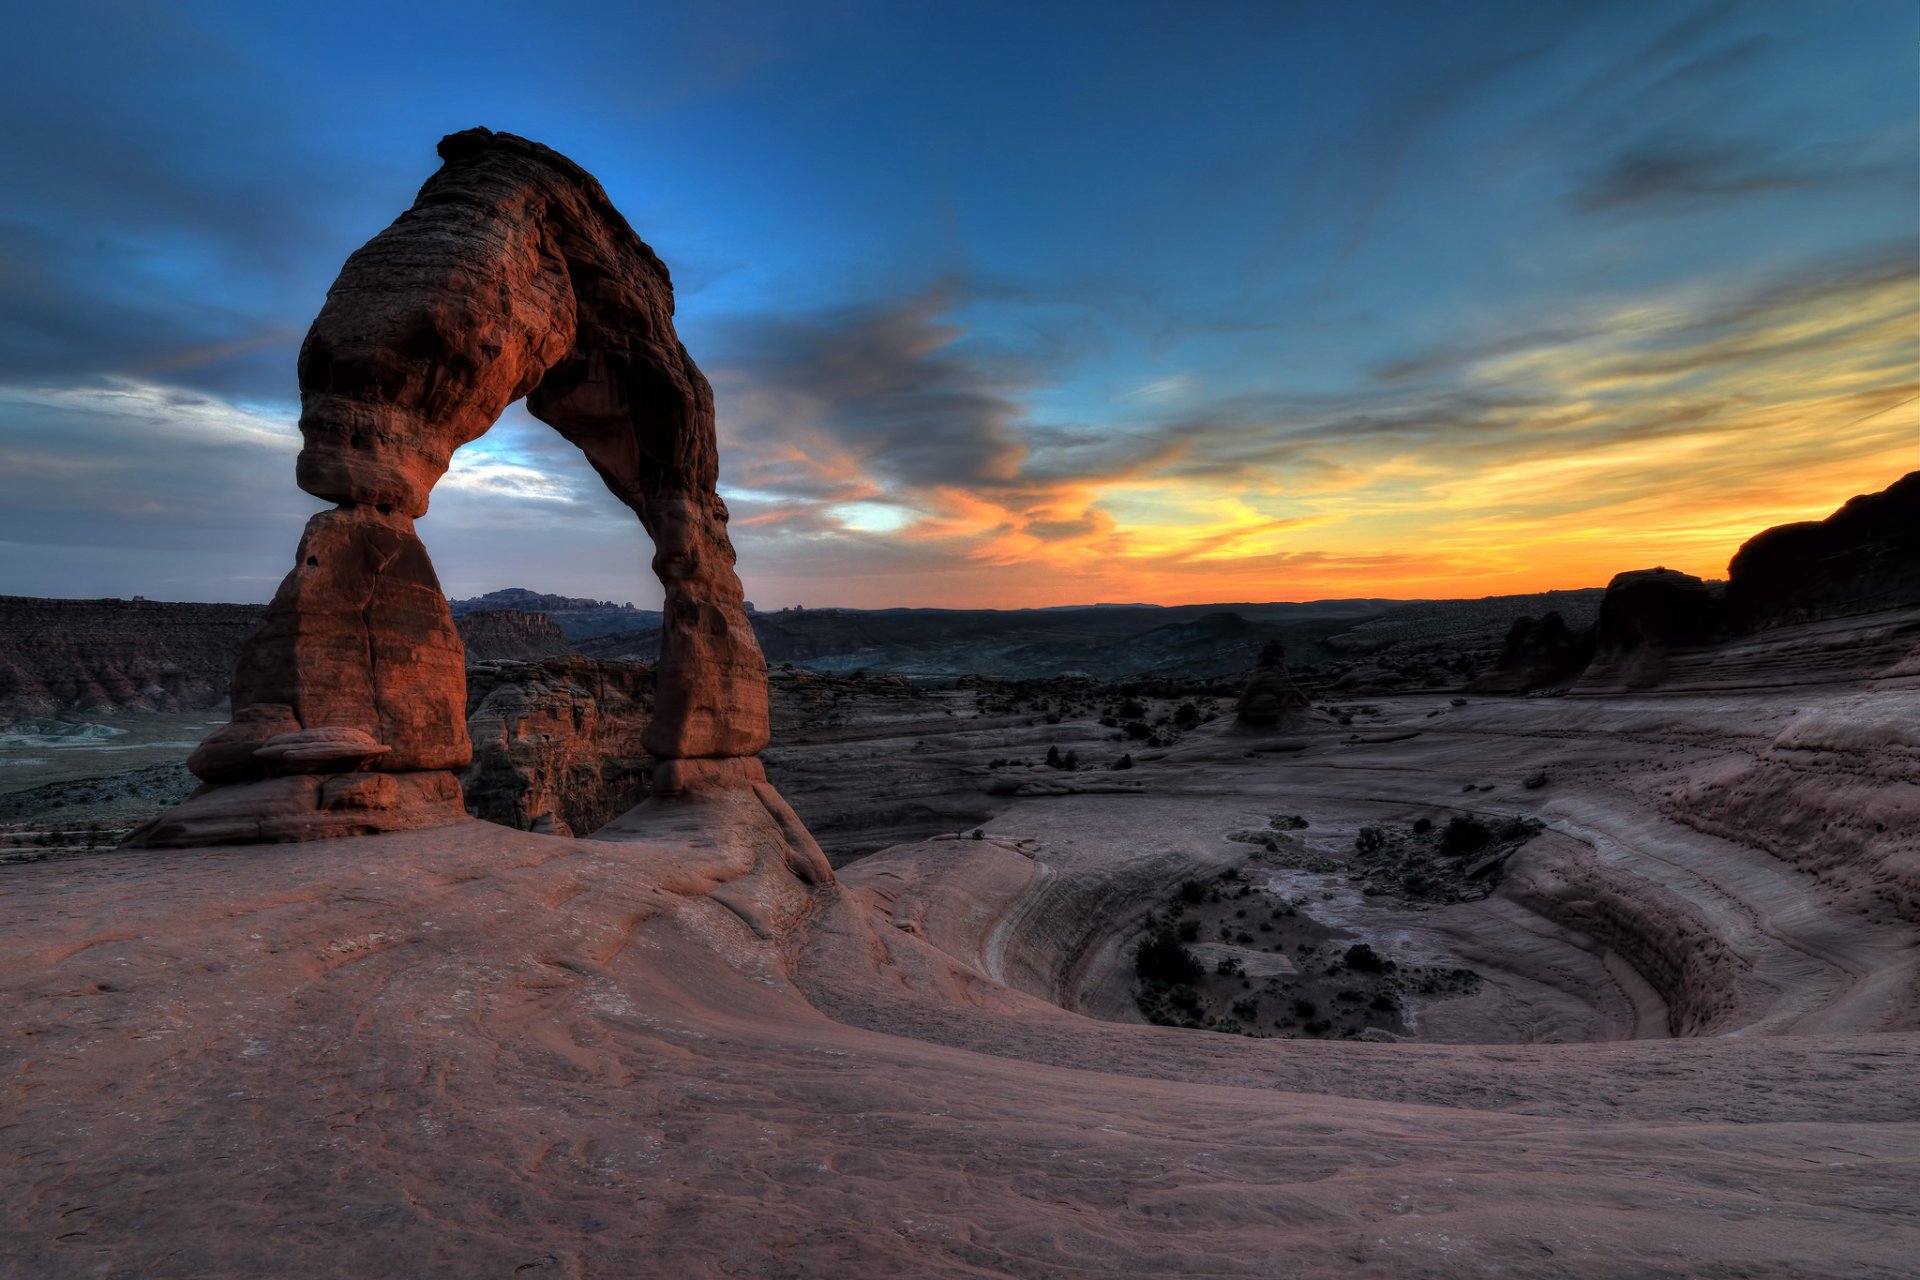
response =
{"points": [[1362, 958], [1464, 835], [1163, 958]]}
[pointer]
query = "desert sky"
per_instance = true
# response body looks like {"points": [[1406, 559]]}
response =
{"points": [[1005, 305]]}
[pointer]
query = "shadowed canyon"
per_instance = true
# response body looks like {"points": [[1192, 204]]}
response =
{"points": [[365, 933]]}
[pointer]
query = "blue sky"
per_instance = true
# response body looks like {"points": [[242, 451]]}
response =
{"points": [[1005, 304]]}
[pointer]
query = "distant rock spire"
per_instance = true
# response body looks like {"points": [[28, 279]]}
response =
{"points": [[1271, 698]]}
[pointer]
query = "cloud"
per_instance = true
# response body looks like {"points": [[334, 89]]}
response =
{"points": [[1436, 474], [1667, 174], [884, 389]]}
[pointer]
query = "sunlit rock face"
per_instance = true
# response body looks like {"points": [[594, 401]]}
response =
{"points": [[511, 276]]}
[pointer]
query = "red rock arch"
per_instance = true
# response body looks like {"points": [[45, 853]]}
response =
{"points": [[511, 276]]}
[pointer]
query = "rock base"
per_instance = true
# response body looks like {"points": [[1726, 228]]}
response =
{"points": [[306, 807]]}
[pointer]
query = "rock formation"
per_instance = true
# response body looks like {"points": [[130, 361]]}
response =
{"points": [[1646, 613], [1817, 600], [1863, 557], [511, 276], [1538, 654], [557, 744], [1271, 699]]}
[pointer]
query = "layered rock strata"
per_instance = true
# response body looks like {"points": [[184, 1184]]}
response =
{"points": [[60, 656], [557, 744], [511, 276]]}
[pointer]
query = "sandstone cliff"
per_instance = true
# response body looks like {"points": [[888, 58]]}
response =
{"points": [[557, 743], [1863, 557]]}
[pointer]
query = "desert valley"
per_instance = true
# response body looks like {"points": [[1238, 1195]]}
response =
{"points": [[1424, 938], [1420, 776]]}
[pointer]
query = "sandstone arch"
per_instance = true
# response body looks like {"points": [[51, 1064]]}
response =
{"points": [[512, 275]]}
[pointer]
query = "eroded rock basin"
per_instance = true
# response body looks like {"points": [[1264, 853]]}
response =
{"points": [[470, 1050]]}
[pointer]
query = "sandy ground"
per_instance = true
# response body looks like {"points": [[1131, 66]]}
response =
{"points": [[472, 1051]]}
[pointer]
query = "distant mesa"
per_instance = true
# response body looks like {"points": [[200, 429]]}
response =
{"points": [[491, 635], [511, 276]]}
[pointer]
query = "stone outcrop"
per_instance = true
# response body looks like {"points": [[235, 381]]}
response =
{"points": [[557, 744], [493, 635], [1648, 613], [511, 276], [1539, 653], [1863, 557], [1818, 600], [1271, 700]]}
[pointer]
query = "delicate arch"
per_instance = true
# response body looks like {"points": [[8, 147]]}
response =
{"points": [[511, 276]]}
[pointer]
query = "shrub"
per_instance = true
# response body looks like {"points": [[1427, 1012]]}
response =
{"points": [[1124, 762], [1193, 892], [1464, 835], [1362, 958], [1370, 840], [1162, 958], [1422, 825]]}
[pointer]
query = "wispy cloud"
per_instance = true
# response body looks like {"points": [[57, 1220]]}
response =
{"points": [[1663, 424]]}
